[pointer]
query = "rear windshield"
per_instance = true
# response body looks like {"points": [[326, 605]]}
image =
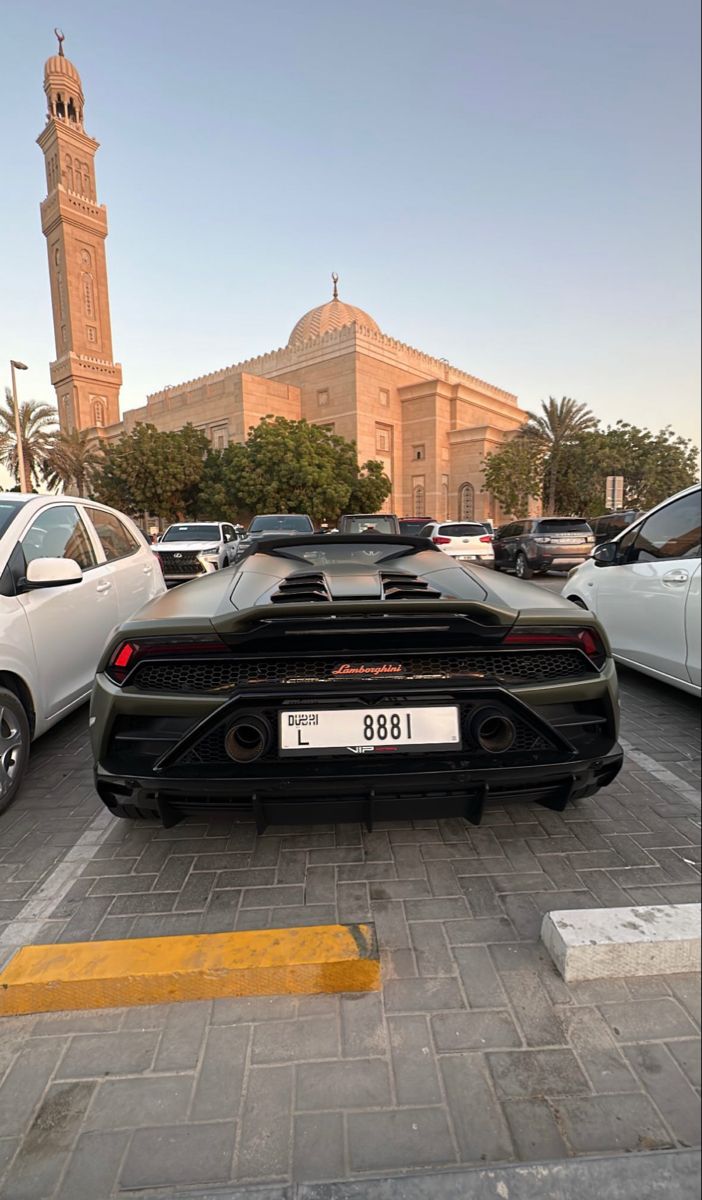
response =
{"points": [[288, 524], [369, 525], [191, 533], [465, 529], [563, 525], [327, 554], [414, 528]]}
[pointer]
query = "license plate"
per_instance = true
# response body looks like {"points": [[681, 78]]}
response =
{"points": [[369, 730]]}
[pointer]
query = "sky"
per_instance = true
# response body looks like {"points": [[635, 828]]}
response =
{"points": [[509, 184]]}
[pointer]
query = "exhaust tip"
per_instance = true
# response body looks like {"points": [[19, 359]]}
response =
{"points": [[494, 732], [247, 738]]}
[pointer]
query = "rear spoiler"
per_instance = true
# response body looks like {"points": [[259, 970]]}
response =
{"points": [[490, 621]]}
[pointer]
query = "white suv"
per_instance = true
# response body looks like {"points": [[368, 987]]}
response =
{"points": [[195, 548], [466, 541], [70, 571]]}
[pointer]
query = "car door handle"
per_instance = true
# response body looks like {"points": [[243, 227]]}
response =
{"points": [[103, 587], [676, 577]]}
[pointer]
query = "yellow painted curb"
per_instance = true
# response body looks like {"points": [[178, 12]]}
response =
{"points": [[263, 962]]}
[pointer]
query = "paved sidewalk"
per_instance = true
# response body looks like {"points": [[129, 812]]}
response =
{"points": [[475, 1052]]}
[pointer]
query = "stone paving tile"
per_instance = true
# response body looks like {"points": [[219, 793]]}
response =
{"points": [[475, 1050]]}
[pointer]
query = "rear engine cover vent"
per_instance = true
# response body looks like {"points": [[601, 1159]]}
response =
{"points": [[305, 586], [399, 585]]}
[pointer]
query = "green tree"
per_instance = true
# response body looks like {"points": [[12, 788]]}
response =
{"points": [[290, 466], [72, 461], [37, 425], [556, 428], [149, 470], [654, 465], [515, 474]]}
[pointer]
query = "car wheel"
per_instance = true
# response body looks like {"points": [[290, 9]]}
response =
{"points": [[522, 567], [15, 738], [580, 603]]}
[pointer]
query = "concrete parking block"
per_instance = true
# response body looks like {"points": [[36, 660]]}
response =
{"points": [[596, 943]]}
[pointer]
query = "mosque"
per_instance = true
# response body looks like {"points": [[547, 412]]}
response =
{"points": [[430, 423]]}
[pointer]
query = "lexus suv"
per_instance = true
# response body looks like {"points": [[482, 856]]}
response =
{"points": [[541, 544], [196, 548]]}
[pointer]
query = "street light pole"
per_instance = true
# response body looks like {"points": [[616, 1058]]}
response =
{"points": [[18, 366]]}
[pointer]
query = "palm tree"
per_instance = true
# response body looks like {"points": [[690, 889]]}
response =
{"points": [[557, 426], [37, 423], [72, 460]]}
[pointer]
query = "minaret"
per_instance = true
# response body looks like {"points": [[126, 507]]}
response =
{"points": [[86, 379]]}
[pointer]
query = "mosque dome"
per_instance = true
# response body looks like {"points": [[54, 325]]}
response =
{"points": [[335, 314], [59, 65]]}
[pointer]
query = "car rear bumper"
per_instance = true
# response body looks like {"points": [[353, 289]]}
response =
{"points": [[444, 789]]}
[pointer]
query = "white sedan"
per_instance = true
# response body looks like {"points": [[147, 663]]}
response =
{"points": [[644, 586], [70, 570], [466, 541]]}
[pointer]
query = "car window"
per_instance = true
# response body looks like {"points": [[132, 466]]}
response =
{"points": [[59, 532], [229, 533], [673, 532], [377, 524], [191, 533], [116, 539], [464, 529], [563, 525], [514, 530], [288, 524]]}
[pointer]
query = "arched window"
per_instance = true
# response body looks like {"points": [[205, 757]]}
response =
{"points": [[98, 413], [60, 106], [418, 500], [71, 109], [466, 502], [445, 499], [88, 300], [69, 173]]}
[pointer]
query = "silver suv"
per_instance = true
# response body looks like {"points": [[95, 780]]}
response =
{"points": [[195, 548]]}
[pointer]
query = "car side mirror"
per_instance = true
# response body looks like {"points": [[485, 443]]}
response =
{"points": [[606, 555], [51, 572]]}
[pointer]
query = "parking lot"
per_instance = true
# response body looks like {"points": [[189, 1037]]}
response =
{"points": [[474, 1052]]}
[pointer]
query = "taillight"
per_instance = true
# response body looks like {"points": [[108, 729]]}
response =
{"points": [[441, 541], [128, 655], [487, 538], [586, 640]]}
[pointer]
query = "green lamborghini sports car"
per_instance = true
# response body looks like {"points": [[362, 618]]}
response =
{"points": [[353, 677]]}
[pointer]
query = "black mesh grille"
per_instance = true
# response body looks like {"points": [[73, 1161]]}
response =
{"points": [[180, 563], [513, 666], [210, 749]]}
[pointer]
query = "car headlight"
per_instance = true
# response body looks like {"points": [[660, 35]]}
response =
{"points": [[209, 558]]}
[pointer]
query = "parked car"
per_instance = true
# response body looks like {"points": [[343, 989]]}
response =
{"points": [[467, 541], [414, 525], [536, 545], [195, 548], [608, 526], [272, 525], [369, 523], [70, 571], [353, 679], [644, 586]]}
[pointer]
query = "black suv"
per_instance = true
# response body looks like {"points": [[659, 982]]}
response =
{"points": [[607, 527], [540, 544]]}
